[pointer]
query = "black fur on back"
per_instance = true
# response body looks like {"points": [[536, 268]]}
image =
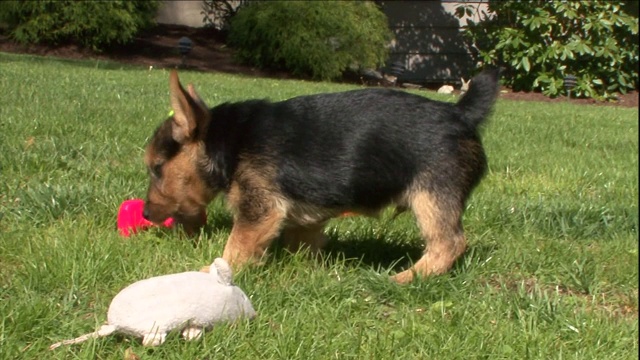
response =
{"points": [[355, 149]]}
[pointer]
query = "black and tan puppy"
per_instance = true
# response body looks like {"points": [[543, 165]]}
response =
{"points": [[290, 166]]}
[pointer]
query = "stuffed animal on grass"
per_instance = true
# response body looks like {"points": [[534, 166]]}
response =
{"points": [[445, 89], [190, 302]]}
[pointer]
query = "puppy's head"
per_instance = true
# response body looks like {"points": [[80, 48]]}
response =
{"points": [[175, 157]]}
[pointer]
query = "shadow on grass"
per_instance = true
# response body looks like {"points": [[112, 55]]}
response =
{"points": [[376, 252], [381, 254]]}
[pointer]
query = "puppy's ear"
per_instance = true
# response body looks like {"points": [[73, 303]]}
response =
{"points": [[189, 111], [194, 95]]}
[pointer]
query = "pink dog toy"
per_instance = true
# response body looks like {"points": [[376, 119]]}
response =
{"points": [[130, 219]]}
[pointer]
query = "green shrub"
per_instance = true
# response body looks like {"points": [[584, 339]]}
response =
{"points": [[318, 38], [218, 13], [539, 42], [94, 24]]}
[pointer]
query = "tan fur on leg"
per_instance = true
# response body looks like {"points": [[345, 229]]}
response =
{"points": [[311, 236], [248, 242], [441, 228]]}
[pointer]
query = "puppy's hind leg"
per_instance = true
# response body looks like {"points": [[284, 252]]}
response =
{"points": [[439, 220]]}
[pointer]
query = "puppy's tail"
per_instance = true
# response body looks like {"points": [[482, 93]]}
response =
{"points": [[477, 102]]}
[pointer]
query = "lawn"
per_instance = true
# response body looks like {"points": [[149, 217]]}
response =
{"points": [[551, 271]]}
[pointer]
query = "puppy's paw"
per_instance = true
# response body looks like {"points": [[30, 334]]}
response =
{"points": [[404, 277]]}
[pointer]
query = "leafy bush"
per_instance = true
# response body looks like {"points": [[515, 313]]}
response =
{"points": [[218, 13], [539, 42], [94, 24], [317, 38]]}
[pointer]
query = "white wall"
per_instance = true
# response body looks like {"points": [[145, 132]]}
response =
{"points": [[186, 12]]}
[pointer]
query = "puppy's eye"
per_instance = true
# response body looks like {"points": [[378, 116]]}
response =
{"points": [[156, 170]]}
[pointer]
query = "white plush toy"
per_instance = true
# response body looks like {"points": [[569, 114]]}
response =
{"points": [[445, 89], [189, 301], [465, 85]]}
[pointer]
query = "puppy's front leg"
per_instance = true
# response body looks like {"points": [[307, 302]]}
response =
{"points": [[257, 223], [248, 242]]}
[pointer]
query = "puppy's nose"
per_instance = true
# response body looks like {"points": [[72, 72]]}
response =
{"points": [[145, 213]]}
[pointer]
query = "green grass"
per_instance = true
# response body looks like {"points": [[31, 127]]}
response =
{"points": [[551, 271]]}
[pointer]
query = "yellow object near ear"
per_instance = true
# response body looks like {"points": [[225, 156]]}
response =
{"points": [[170, 113]]}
